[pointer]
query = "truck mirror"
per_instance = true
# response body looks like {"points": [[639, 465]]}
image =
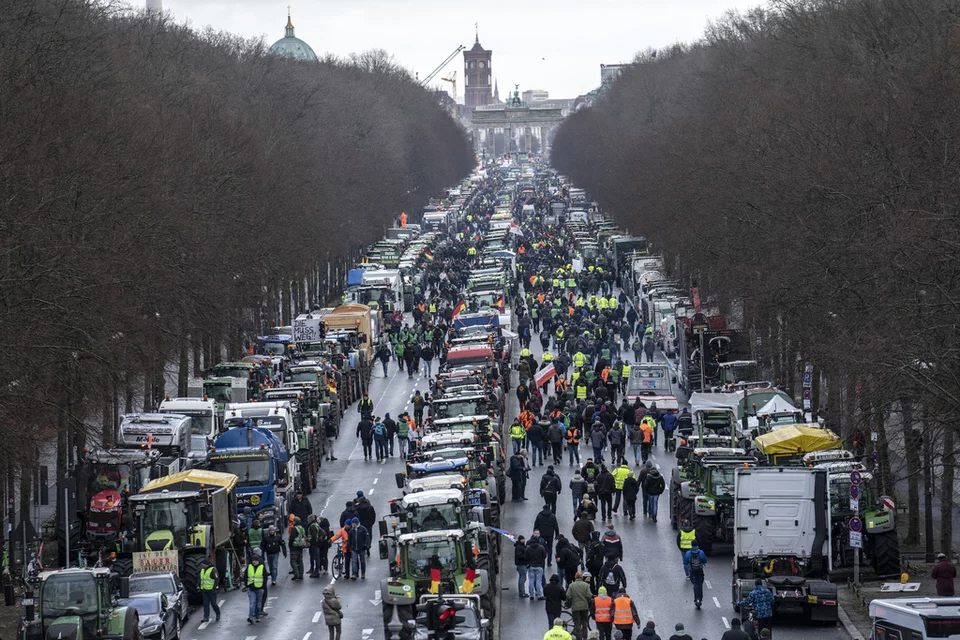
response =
{"points": [[487, 518], [383, 548], [383, 528], [124, 586], [399, 476]]}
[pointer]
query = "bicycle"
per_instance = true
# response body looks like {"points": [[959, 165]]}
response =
{"points": [[339, 566]]}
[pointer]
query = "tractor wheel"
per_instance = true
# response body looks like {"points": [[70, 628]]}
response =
{"points": [[705, 531], [305, 484], [886, 554], [488, 600], [192, 564], [122, 567], [684, 511]]}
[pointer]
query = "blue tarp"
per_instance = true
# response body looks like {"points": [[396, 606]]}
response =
{"points": [[355, 277], [476, 319]]}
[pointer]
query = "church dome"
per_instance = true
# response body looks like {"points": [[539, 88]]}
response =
{"points": [[291, 46]]}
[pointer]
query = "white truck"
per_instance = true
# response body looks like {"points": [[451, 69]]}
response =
{"points": [[207, 420], [168, 433], [277, 417], [782, 536], [915, 618]]}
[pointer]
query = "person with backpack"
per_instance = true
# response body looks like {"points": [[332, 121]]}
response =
{"points": [[568, 560], [380, 440], [555, 435], [578, 489], [653, 486], [611, 575], [550, 486], [590, 472], [694, 560], [595, 559], [418, 404], [323, 546], [313, 534], [298, 542], [631, 489]]}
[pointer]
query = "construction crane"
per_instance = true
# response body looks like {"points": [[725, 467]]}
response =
{"points": [[452, 79], [441, 66]]}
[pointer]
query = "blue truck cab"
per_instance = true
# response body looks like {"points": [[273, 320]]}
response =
{"points": [[259, 460]]}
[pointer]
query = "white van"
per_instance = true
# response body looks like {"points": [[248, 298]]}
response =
{"points": [[915, 618]]}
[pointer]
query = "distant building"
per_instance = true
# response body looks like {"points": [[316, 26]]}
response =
{"points": [[293, 47], [535, 95], [477, 76], [610, 72]]}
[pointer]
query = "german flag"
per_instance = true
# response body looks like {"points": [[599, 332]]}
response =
{"points": [[428, 255], [467, 586], [434, 575], [499, 304], [459, 308]]}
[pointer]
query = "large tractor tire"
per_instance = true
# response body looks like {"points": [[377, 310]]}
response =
{"points": [[886, 554], [123, 567], [190, 576], [305, 485], [705, 531], [488, 600]]}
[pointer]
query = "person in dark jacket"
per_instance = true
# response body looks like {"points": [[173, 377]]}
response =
{"points": [[680, 635], [536, 436], [568, 560], [550, 486], [546, 524], [391, 426], [554, 594], [349, 513], [520, 561], [273, 545], [556, 434], [582, 529], [578, 488], [649, 631], [365, 433], [605, 488], [518, 475], [359, 541], [536, 557], [735, 632], [300, 507], [612, 542], [611, 575], [595, 559], [944, 572], [631, 489], [365, 511]]}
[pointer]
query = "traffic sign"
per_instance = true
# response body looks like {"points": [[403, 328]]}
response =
{"points": [[855, 477], [856, 524], [856, 539], [854, 505], [854, 491], [889, 503], [876, 456], [807, 380]]}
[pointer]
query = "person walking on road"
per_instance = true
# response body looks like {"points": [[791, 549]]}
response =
{"points": [[573, 444], [761, 600], [209, 586], [365, 511], [255, 582], [403, 434], [555, 435], [427, 354], [557, 632], [518, 475], [380, 440], [520, 562], [598, 440], [359, 537], [536, 557], [553, 595], [273, 545], [631, 489], [517, 435], [547, 529], [680, 635], [625, 614], [694, 560], [582, 529], [944, 572], [685, 537], [391, 426], [616, 437], [550, 486], [365, 406], [383, 354], [735, 632], [653, 486], [601, 609], [332, 612], [611, 575], [298, 542], [365, 433], [568, 560], [314, 536], [578, 599], [649, 632], [635, 436], [300, 506], [613, 545], [642, 477], [578, 488], [418, 404], [605, 488], [620, 475]]}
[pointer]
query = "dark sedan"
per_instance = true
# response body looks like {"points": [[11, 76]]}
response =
{"points": [[158, 621]]}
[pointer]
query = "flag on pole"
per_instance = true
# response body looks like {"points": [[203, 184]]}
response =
{"points": [[428, 255], [500, 304], [459, 308], [434, 580], [467, 586], [514, 229], [543, 376]]}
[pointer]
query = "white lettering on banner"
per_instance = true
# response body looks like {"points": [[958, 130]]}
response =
{"points": [[155, 561]]}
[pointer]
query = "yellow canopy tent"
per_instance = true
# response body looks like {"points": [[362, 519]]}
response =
{"points": [[796, 440]]}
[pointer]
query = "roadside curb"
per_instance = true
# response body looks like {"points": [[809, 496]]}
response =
{"points": [[848, 625]]}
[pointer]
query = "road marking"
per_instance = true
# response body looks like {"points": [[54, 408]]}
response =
{"points": [[316, 617], [716, 602], [707, 582], [251, 637], [269, 603], [367, 633], [203, 625], [371, 491], [725, 622], [326, 504], [308, 634], [376, 598], [375, 480]]}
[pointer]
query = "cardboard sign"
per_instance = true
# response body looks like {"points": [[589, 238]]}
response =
{"points": [[155, 562]]}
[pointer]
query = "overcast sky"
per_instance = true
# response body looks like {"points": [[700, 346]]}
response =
{"points": [[557, 45]]}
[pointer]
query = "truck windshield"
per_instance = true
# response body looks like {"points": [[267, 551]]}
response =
{"points": [[62, 594], [723, 482], [233, 372], [112, 476], [219, 392], [273, 348], [422, 556], [432, 518], [160, 516], [465, 407], [304, 376], [251, 473]]}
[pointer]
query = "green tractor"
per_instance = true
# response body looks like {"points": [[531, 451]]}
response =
{"points": [[191, 512], [77, 604], [431, 562], [702, 493], [881, 548]]}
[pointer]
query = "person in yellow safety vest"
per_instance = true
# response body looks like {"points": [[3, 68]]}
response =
{"points": [[571, 283], [625, 376], [592, 302], [556, 283], [686, 537], [601, 610], [209, 584], [433, 307], [547, 357], [602, 302], [579, 301], [580, 387], [472, 251], [612, 302], [573, 378], [590, 268], [517, 436], [256, 580], [579, 359], [557, 632], [619, 477], [625, 614]]}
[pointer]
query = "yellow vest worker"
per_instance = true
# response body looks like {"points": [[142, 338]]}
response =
{"points": [[579, 359], [558, 632], [620, 475], [687, 538], [612, 302], [255, 578], [517, 432], [626, 372], [602, 302], [581, 388]]}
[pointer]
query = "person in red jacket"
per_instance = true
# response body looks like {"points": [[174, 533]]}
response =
{"points": [[944, 573]]}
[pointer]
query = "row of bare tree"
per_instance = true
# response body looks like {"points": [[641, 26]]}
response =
{"points": [[166, 194], [800, 164]]}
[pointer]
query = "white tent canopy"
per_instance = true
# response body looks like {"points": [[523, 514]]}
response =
{"points": [[716, 402], [777, 404]]}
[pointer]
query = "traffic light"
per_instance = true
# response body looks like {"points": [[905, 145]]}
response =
{"points": [[428, 610], [447, 618]]}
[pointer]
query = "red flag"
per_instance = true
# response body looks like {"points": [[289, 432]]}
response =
{"points": [[467, 586], [434, 580], [544, 375]]}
